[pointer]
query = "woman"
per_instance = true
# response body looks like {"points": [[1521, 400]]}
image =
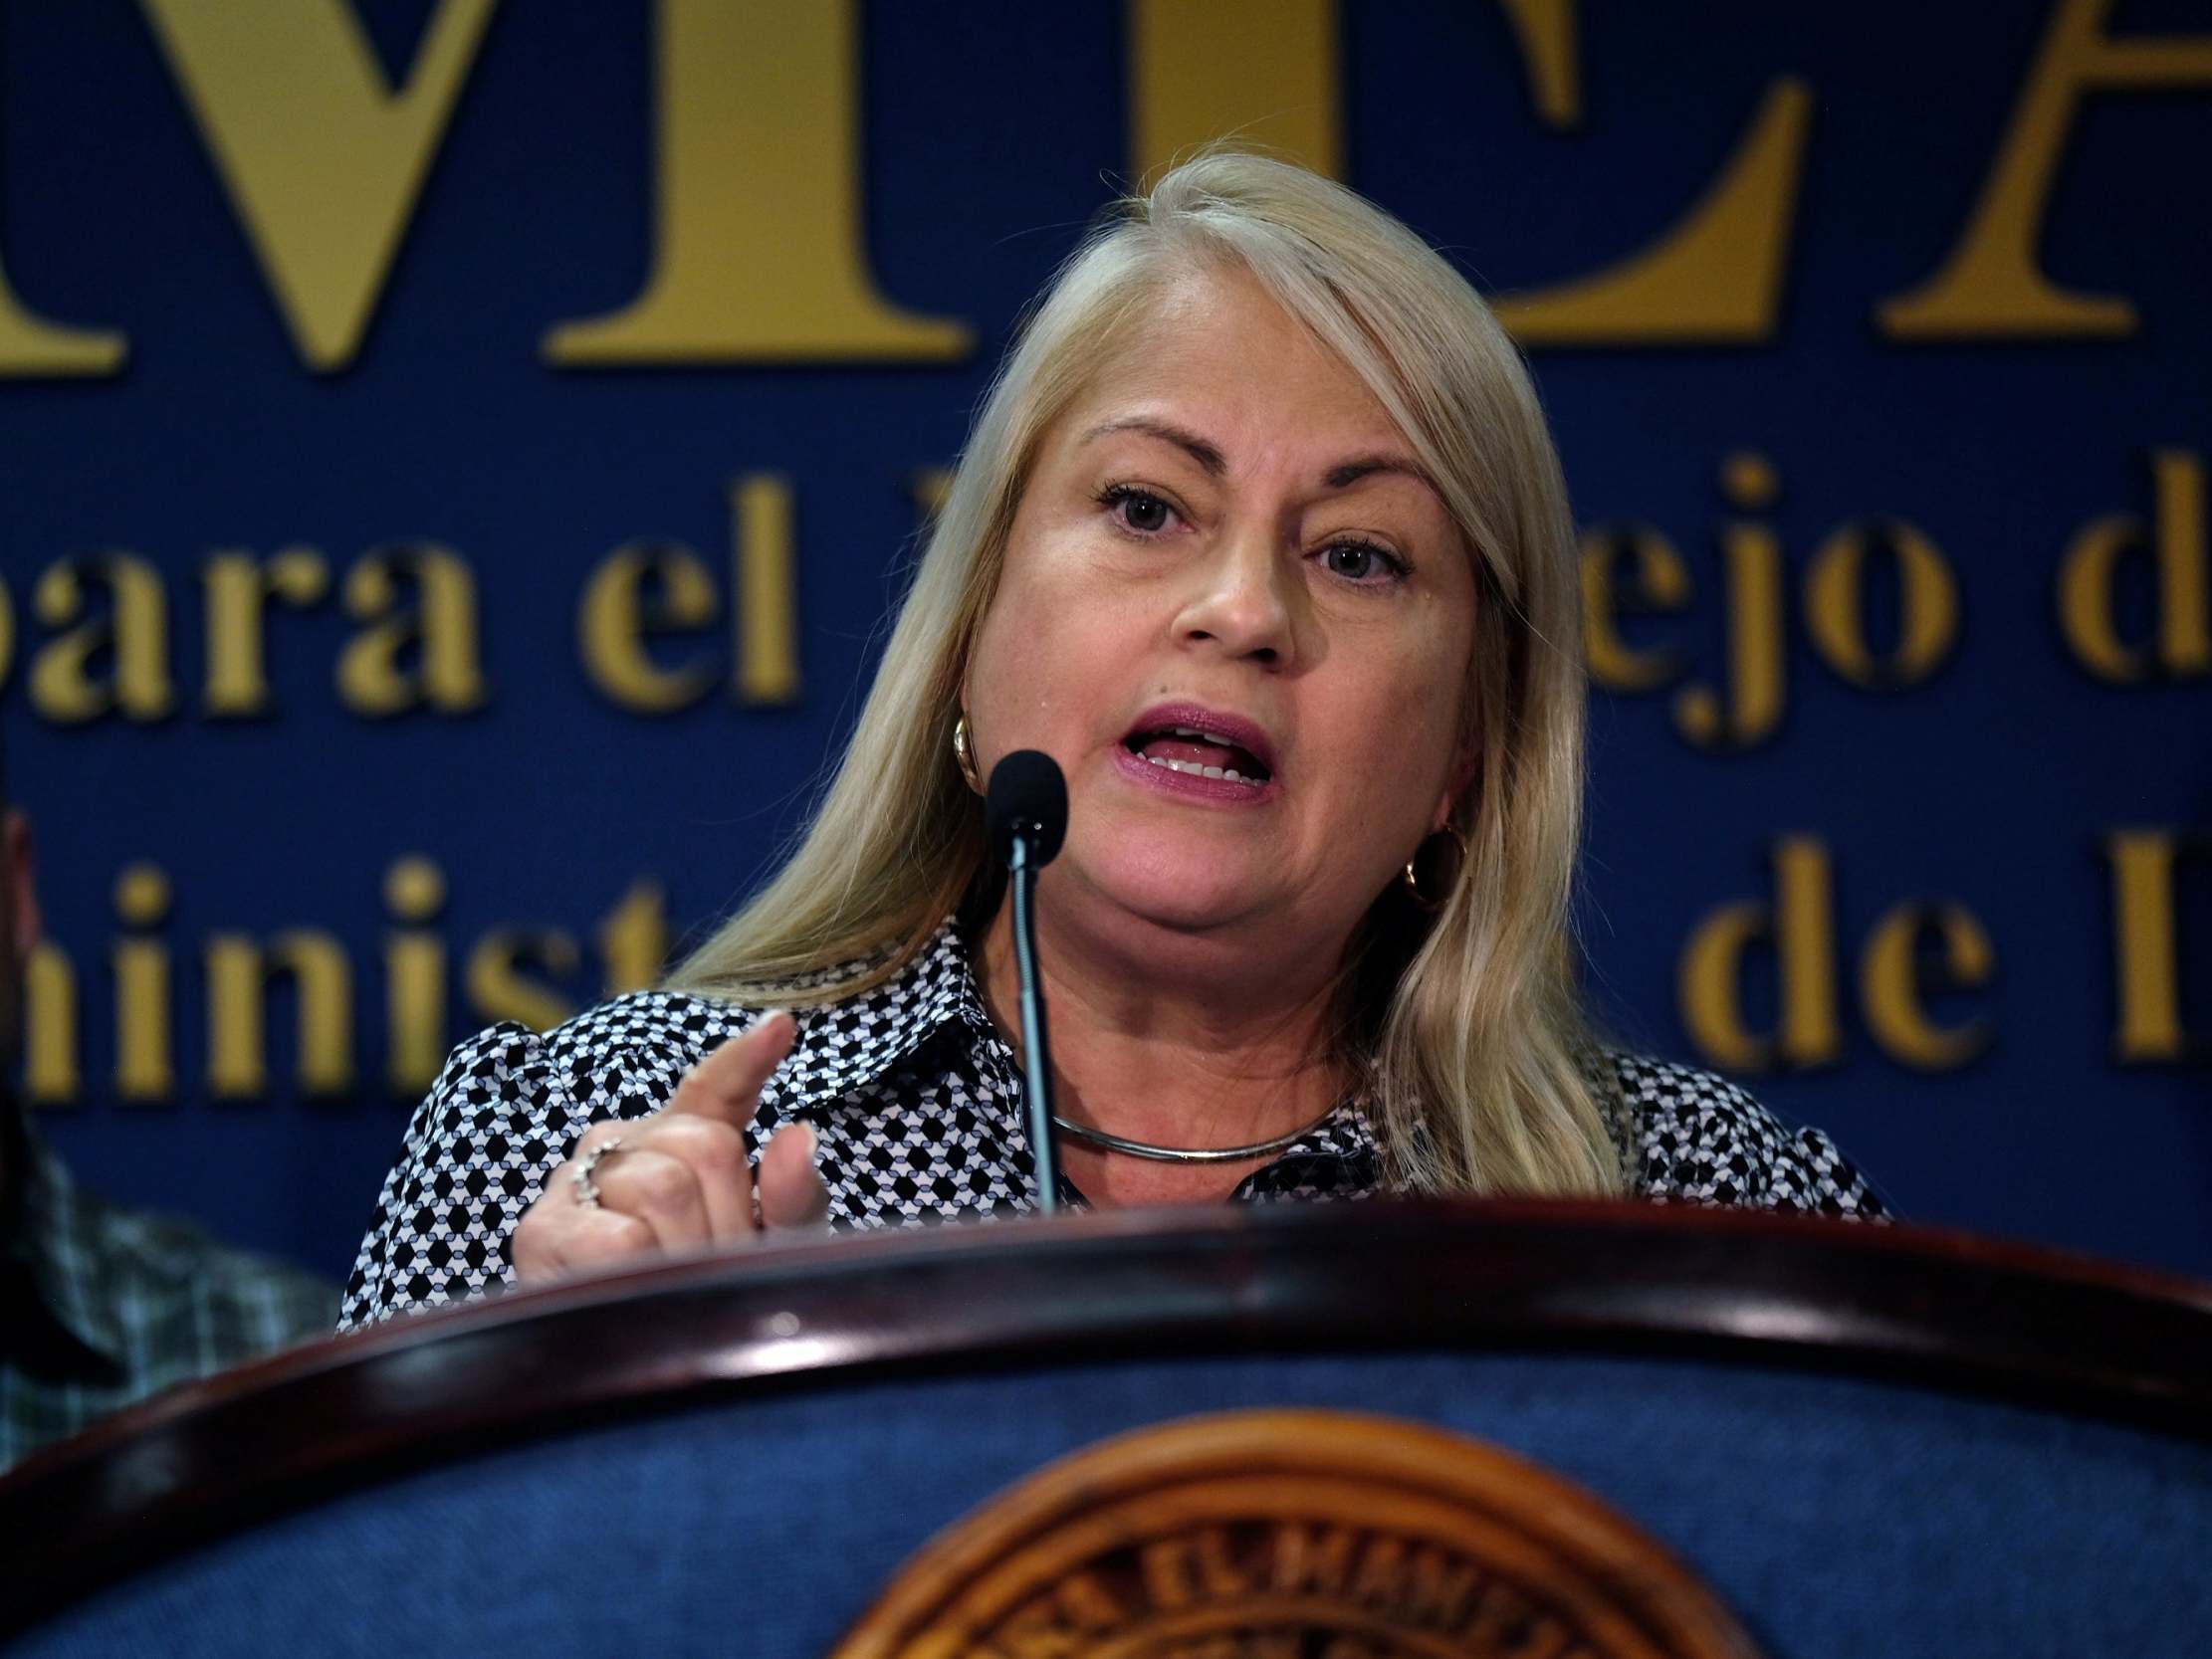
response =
{"points": [[1259, 534]]}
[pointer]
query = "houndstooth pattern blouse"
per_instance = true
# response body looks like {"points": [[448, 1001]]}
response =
{"points": [[916, 1103]]}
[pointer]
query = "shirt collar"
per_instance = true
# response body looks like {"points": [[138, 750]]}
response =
{"points": [[848, 1045], [1348, 1132]]}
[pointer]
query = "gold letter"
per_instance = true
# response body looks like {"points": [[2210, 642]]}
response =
{"points": [[928, 487], [322, 161], [1166, 1569], [633, 939], [144, 1070], [2184, 613], [50, 1072], [760, 256], [1545, 32], [1715, 277], [767, 606], [1754, 601], [1319, 1560], [238, 976], [496, 990], [32, 346], [1890, 987], [369, 679], [2146, 960], [238, 590], [1801, 926], [1990, 286], [138, 631], [1659, 583], [1287, 90], [415, 976], [1283, 93], [619, 612], [1927, 606]]}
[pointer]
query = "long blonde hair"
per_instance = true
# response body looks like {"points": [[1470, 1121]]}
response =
{"points": [[1464, 1026]]}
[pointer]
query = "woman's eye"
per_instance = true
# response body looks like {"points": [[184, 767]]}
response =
{"points": [[1138, 510], [1361, 562]]}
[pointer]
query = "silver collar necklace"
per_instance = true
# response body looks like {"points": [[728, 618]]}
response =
{"points": [[1184, 1154]]}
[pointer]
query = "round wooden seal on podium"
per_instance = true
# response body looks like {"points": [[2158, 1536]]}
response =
{"points": [[1294, 1534]]}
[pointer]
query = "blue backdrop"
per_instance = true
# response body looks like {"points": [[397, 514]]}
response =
{"points": [[1926, 862]]}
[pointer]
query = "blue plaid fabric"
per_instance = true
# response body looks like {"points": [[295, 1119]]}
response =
{"points": [[100, 1307]]}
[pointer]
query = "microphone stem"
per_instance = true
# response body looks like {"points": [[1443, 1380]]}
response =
{"points": [[1037, 1058]]}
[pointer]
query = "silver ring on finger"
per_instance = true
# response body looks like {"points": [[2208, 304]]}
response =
{"points": [[587, 1190]]}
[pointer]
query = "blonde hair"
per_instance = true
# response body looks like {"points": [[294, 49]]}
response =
{"points": [[1465, 1027]]}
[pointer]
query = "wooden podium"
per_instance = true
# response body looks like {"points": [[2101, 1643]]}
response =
{"points": [[1543, 1430]]}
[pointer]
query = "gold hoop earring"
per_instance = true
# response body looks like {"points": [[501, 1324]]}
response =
{"points": [[964, 757], [1429, 884]]}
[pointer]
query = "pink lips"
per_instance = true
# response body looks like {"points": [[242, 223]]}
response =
{"points": [[1225, 729], [1230, 729]]}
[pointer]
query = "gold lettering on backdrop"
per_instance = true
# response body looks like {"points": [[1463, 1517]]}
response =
{"points": [[31, 346], [640, 590], [766, 585], [1893, 984], [1545, 32], [498, 981], [927, 488], [633, 938], [1715, 276], [1286, 93], [1992, 285], [759, 254], [146, 1068], [1752, 556], [323, 159], [424, 656], [2146, 958], [1653, 581], [239, 974], [51, 1074], [1799, 926], [2181, 647], [415, 976], [238, 589], [1928, 605], [130, 639]]}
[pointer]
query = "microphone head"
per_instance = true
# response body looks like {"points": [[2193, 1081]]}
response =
{"points": [[1027, 792]]}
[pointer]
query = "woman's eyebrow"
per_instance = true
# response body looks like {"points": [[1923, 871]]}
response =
{"points": [[1342, 475], [1345, 473], [1205, 454]]}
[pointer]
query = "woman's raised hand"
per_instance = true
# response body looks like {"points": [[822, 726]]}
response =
{"points": [[677, 1180]]}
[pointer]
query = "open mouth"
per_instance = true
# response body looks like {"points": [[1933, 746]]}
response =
{"points": [[1185, 748]]}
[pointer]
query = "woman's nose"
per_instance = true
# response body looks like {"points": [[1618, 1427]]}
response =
{"points": [[1242, 602]]}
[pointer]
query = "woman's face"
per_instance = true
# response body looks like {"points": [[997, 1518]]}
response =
{"points": [[1239, 619]]}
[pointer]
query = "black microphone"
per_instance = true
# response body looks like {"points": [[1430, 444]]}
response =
{"points": [[1026, 815]]}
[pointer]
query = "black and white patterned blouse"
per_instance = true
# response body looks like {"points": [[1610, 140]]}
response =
{"points": [[916, 1101]]}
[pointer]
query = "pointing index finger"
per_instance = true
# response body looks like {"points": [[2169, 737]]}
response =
{"points": [[726, 1085]]}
